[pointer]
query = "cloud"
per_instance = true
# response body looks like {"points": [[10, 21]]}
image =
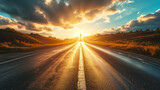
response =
{"points": [[138, 12], [112, 9], [62, 13], [92, 14], [130, 1], [7, 22], [149, 21], [146, 21]]}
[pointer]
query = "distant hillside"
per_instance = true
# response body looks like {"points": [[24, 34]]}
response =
{"points": [[46, 40], [10, 35], [138, 36], [143, 42], [152, 38], [12, 40]]}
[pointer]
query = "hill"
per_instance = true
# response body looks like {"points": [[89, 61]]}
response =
{"points": [[45, 40], [138, 36], [10, 35], [143, 42], [12, 40]]}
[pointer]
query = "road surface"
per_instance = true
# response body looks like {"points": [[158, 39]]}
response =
{"points": [[79, 66]]}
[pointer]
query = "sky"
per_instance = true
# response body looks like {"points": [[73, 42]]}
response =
{"points": [[70, 18]]}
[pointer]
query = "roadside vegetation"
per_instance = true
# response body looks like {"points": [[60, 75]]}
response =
{"points": [[11, 41], [143, 42]]}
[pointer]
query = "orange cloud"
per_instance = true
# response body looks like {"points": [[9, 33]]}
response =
{"points": [[63, 14]]}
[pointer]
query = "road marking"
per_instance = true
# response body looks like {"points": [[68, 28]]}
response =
{"points": [[17, 58], [81, 76], [119, 53], [140, 59]]}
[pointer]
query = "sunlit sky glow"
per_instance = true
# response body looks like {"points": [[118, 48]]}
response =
{"points": [[68, 18]]}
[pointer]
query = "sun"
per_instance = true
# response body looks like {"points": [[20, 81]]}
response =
{"points": [[83, 34], [80, 33]]}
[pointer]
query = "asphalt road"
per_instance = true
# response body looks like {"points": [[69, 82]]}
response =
{"points": [[78, 66]]}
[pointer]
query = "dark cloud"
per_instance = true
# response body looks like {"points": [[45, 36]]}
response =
{"points": [[4, 21], [90, 15], [23, 9], [7, 22], [149, 21], [30, 26], [63, 14]]}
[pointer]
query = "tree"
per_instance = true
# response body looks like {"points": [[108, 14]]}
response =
{"points": [[157, 30], [148, 30], [130, 31]]}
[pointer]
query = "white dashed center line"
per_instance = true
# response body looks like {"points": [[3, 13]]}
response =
{"points": [[81, 76]]}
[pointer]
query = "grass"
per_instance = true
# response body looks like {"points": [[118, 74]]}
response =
{"points": [[12, 40], [144, 42], [17, 45], [146, 48]]}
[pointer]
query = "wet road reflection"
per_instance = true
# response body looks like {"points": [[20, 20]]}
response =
{"points": [[145, 66], [63, 67]]}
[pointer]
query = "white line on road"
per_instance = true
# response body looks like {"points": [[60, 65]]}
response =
{"points": [[81, 76], [119, 53], [140, 59], [17, 58]]}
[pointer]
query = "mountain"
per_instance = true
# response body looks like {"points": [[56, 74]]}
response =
{"points": [[10, 35]]}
